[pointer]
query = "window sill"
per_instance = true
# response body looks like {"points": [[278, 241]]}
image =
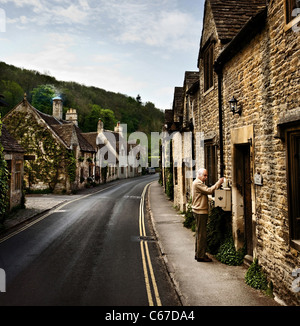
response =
{"points": [[208, 91], [292, 23], [295, 244]]}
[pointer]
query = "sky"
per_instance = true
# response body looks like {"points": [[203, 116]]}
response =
{"points": [[125, 46]]}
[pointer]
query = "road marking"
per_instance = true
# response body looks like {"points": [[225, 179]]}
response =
{"points": [[146, 254], [49, 213]]}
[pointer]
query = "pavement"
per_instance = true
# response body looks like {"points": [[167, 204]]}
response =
{"points": [[197, 284]]}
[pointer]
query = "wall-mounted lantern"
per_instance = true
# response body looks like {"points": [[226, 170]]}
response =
{"points": [[234, 107]]}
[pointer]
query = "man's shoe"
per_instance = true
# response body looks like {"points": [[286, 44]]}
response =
{"points": [[204, 259]]}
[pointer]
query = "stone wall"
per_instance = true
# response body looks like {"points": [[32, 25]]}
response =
{"points": [[264, 77]]}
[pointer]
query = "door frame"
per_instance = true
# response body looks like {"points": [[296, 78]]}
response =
{"points": [[240, 137]]}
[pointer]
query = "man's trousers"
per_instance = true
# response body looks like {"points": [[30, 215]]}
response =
{"points": [[200, 244]]}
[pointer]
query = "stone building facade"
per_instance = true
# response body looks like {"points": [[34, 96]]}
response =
{"points": [[63, 158], [109, 145], [249, 52], [14, 157]]}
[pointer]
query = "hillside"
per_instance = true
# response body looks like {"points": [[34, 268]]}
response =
{"points": [[90, 102]]}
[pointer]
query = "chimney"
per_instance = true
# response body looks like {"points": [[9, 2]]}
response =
{"points": [[119, 129], [100, 126], [57, 108], [71, 115]]}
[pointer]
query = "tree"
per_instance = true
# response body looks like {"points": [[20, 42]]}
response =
{"points": [[96, 113], [42, 98], [13, 94], [139, 99]]}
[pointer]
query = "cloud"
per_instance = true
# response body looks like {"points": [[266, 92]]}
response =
{"points": [[45, 12], [152, 23]]}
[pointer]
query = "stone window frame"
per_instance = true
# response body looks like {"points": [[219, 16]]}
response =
{"points": [[289, 21], [211, 160], [208, 67], [289, 123], [18, 175], [292, 132]]}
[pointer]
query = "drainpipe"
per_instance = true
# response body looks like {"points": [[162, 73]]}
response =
{"points": [[220, 81]]}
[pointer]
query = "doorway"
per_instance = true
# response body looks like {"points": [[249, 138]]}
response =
{"points": [[243, 186]]}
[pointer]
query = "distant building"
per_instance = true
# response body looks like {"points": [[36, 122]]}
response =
{"points": [[109, 146], [63, 158]]}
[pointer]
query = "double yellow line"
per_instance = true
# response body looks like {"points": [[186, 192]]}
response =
{"points": [[147, 265]]}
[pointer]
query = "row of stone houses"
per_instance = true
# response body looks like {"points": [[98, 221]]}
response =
{"points": [[58, 156], [242, 109]]}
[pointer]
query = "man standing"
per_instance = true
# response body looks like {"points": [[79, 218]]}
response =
{"points": [[200, 212]]}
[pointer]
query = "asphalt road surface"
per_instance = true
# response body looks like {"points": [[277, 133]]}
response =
{"points": [[98, 250]]}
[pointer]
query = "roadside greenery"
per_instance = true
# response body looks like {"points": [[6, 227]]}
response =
{"points": [[219, 235], [189, 221], [256, 278], [4, 175]]}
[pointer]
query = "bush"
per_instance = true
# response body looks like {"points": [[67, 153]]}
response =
{"points": [[189, 220], [228, 255], [218, 228], [255, 276]]}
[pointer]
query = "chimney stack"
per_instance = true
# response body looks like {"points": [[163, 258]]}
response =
{"points": [[71, 115], [119, 129], [57, 108], [100, 126]]}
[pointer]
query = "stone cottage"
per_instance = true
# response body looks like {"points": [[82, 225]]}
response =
{"points": [[248, 111], [109, 146], [14, 157], [64, 159]]}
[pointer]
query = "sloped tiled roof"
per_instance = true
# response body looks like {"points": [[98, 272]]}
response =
{"points": [[9, 143], [190, 78], [90, 137], [64, 129], [231, 15], [83, 143], [169, 116], [178, 103]]}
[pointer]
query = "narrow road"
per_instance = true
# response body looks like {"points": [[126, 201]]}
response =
{"points": [[96, 250]]}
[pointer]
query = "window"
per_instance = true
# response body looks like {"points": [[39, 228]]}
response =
{"points": [[211, 162], [176, 175], [293, 140], [208, 63], [292, 14], [18, 179]]}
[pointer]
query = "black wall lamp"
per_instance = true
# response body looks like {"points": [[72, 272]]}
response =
{"points": [[234, 107]]}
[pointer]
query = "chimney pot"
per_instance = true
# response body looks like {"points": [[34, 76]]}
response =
{"points": [[57, 108]]}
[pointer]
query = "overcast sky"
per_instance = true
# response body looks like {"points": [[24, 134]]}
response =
{"points": [[127, 46]]}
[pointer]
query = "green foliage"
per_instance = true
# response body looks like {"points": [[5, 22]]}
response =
{"points": [[218, 228], [255, 277], [228, 255], [49, 158], [4, 174], [128, 110], [12, 92], [91, 120], [71, 166], [189, 220], [42, 98], [219, 238], [169, 183]]}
